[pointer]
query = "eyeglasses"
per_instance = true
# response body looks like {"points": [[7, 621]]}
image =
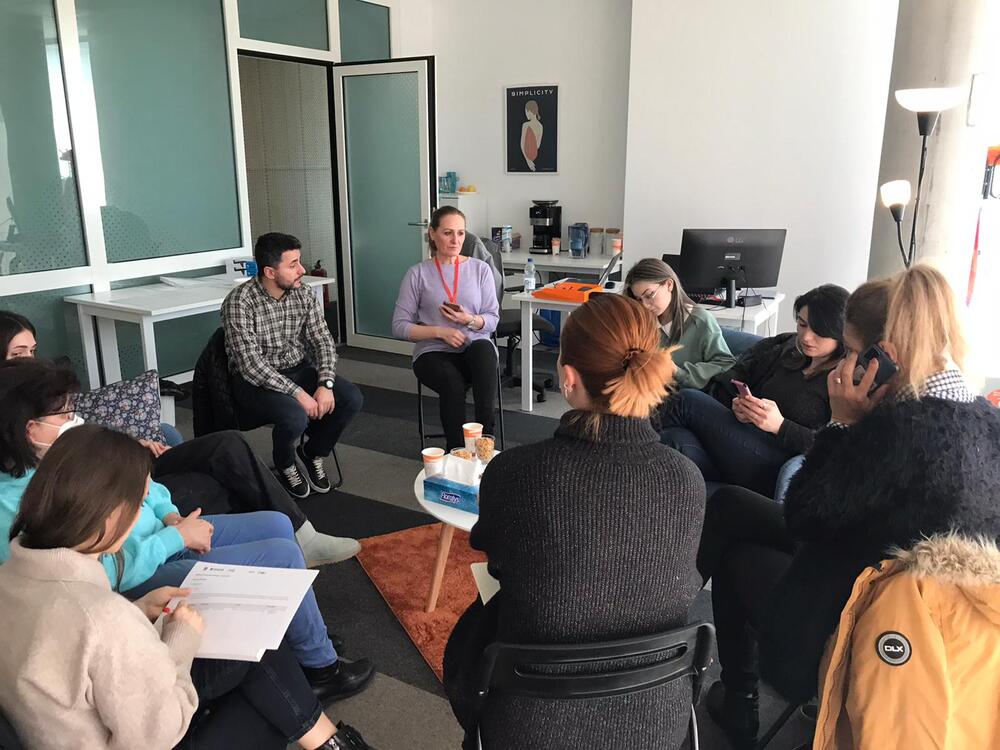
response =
{"points": [[650, 295]]}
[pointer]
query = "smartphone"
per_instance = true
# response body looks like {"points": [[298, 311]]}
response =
{"points": [[886, 367], [452, 306], [742, 388]]}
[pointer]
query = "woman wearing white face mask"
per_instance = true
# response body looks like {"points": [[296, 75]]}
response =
{"points": [[36, 408]]}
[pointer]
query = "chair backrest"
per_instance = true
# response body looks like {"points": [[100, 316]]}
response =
{"points": [[485, 249], [597, 670]]}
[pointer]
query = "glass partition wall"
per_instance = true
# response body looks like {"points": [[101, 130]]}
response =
{"points": [[122, 155]]}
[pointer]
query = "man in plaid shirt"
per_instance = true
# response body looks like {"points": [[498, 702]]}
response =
{"points": [[282, 357]]}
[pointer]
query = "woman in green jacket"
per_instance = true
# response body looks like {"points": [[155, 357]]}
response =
{"points": [[702, 352]]}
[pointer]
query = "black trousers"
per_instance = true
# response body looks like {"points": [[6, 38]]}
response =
{"points": [[447, 373], [745, 549], [220, 473], [265, 704], [262, 406]]}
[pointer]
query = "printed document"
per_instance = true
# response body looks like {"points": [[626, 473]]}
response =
{"points": [[246, 609]]}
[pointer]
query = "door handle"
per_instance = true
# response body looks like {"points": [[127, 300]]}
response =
{"points": [[421, 223]]}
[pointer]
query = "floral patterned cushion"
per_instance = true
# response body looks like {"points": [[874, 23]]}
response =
{"points": [[131, 406]]}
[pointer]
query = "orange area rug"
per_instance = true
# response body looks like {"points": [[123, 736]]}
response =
{"points": [[401, 565]]}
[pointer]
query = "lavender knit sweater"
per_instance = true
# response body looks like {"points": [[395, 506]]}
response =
{"points": [[421, 295]]}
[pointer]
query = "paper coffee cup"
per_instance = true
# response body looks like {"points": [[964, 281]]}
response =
{"points": [[472, 430], [433, 461], [556, 242]]}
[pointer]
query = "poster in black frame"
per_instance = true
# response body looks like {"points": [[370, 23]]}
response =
{"points": [[532, 129]]}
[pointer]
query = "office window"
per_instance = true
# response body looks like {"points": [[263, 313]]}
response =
{"points": [[159, 79], [56, 324], [364, 31], [40, 227], [301, 23]]}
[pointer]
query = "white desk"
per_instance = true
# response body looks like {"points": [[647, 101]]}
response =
{"points": [[451, 519], [748, 319], [563, 263], [144, 306]]}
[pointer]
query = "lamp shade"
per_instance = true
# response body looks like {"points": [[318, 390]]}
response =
{"points": [[929, 100], [895, 193]]}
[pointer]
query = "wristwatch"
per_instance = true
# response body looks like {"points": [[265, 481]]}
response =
{"points": [[471, 325], [327, 383]]}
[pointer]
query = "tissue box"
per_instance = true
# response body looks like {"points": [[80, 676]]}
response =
{"points": [[448, 492]]}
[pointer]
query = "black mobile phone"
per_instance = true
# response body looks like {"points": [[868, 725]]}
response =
{"points": [[886, 367]]}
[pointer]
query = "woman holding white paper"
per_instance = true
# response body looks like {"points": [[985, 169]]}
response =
{"points": [[36, 412], [98, 673]]}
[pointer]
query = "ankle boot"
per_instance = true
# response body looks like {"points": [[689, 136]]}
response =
{"points": [[736, 713], [346, 738]]}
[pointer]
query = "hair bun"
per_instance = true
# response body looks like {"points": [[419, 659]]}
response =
{"points": [[637, 358]]}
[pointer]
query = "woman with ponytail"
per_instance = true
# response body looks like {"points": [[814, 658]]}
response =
{"points": [[592, 535], [914, 457]]}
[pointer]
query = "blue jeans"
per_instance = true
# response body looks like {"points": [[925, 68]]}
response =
{"points": [[725, 449], [172, 434], [263, 538]]}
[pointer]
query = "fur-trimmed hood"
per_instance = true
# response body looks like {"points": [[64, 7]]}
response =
{"points": [[971, 563]]}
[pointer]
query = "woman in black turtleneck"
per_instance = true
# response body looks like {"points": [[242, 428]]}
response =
{"points": [[592, 535]]}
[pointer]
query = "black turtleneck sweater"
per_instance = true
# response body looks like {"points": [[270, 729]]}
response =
{"points": [[593, 538]]}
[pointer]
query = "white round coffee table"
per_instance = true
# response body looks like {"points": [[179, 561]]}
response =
{"points": [[452, 519]]}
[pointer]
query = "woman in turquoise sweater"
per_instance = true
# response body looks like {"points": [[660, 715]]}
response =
{"points": [[702, 353], [36, 408]]}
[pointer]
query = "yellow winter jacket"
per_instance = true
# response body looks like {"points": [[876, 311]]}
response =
{"points": [[915, 660]]}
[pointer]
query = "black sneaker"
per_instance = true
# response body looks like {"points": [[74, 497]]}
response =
{"points": [[314, 471], [347, 738], [291, 479]]}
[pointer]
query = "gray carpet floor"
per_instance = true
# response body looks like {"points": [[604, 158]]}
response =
{"points": [[405, 708]]}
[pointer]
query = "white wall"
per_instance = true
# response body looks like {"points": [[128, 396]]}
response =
{"points": [[582, 45], [764, 114]]}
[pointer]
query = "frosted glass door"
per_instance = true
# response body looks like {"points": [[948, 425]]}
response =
{"points": [[383, 141]]}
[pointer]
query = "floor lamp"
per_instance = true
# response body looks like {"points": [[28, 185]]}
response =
{"points": [[928, 104]]}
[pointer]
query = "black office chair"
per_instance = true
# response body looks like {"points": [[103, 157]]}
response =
{"points": [[509, 328], [526, 670], [425, 436]]}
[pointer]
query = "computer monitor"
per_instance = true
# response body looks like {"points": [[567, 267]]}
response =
{"points": [[731, 258]]}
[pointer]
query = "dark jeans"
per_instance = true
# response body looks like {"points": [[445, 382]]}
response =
{"points": [[222, 467], [745, 550], [447, 373], [262, 406], [725, 449], [265, 704]]}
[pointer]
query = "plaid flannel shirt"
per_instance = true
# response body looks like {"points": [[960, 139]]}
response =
{"points": [[265, 335]]}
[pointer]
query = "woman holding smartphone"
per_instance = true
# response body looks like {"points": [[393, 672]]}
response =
{"points": [[917, 456], [767, 407], [448, 307]]}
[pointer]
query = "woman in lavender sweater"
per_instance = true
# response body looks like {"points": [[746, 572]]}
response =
{"points": [[448, 307]]}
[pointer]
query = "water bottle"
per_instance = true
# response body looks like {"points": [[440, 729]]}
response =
{"points": [[529, 275]]}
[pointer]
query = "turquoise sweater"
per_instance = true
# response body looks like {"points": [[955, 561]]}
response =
{"points": [[703, 353], [148, 546]]}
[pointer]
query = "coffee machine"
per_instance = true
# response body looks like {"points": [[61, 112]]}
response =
{"points": [[546, 225]]}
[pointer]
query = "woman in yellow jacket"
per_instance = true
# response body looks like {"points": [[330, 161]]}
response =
{"points": [[915, 662]]}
